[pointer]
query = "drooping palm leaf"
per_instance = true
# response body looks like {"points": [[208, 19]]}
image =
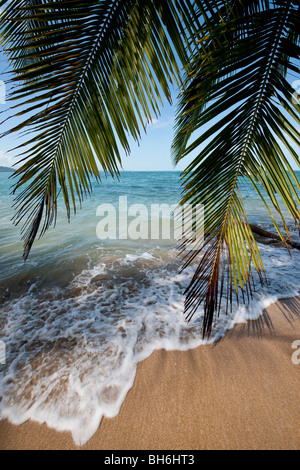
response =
{"points": [[238, 98], [92, 75]]}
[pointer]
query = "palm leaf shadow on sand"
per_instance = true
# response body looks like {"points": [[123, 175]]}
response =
{"points": [[264, 327]]}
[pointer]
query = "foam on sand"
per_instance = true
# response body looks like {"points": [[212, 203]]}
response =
{"points": [[72, 353]]}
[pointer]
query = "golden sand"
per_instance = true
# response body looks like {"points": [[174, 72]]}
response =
{"points": [[240, 393]]}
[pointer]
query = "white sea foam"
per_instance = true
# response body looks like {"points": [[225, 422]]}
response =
{"points": [[72, 353]]}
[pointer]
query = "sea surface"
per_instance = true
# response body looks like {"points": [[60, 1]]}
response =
{"points": [[81, 313]]}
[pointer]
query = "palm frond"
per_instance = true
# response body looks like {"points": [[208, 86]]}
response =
{"points": [[92, 74], [238, 95]]}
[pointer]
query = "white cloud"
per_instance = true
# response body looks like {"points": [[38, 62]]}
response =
{"points": [[161, 123], [7, 160]]}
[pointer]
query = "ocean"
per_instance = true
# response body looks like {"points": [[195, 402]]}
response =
{"points": [[83, 311]]}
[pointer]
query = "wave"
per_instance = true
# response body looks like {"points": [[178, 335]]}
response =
{"points": [[72, 351]]}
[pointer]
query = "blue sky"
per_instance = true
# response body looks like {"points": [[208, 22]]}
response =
{"points": [[152, 154], [154, 151]]}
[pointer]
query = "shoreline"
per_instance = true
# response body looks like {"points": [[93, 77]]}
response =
{"points": [[240, 393]]}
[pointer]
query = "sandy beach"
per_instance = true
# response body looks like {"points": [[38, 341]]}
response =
{"points": [[241, 393]]}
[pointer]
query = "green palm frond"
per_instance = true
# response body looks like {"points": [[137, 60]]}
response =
{"points": [[239, 100], [92, 74]]}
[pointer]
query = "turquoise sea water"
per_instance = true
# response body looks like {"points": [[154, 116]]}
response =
{"points": [[80, 314]]}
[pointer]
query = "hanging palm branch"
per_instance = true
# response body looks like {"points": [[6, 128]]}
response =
{"points": [[92, 74], [238, 99]]}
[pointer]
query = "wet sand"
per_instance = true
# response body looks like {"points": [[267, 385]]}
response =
{"points": [[240, 393]]}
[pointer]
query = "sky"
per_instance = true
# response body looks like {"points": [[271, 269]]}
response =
{"points": [[152, 154]]}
